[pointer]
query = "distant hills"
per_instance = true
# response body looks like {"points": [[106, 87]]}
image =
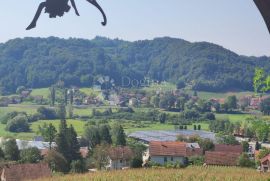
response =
{"points": [[41, 62]]}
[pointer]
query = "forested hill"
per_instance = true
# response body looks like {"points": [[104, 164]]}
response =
{"points": [[41, 62]]}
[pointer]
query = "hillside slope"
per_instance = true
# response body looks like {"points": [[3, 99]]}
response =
{"points": [[40, 62]]}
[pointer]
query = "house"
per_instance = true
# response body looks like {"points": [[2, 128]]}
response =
{"points": [[224, 155], [162, 152], [119, 158], [255, 103], [265, 163], [229, 148], [25, 93], [133, 102], [221, 158], [20, 172]]}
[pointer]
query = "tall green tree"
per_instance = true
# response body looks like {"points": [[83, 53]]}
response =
{"points": [[52, 95], [71, 97], [48, 132], [265, 106], [118, 135], [11, 150], [104, 132], [65, 97], [91, 134], [232, 102], [73, 144]]}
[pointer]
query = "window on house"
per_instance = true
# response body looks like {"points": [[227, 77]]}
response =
{"points": [[172, 159], [121, 161], [165, 159]]}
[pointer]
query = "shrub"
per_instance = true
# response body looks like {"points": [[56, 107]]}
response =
{"points": [[136, 163], [244, 161], [78, 166], [56, 161], [18, 124], [47, 113], [196, 160], [30, 155]]}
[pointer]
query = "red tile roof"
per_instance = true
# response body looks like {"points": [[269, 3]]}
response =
{"points": [[221, 158], [266, 158], [20, 172], [168, 148], [229, 148], [123, 153]]}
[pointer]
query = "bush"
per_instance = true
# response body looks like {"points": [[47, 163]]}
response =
{"points": [[196, 160], [56, 161], [30, 155], [78, 166], [18, 124], [11, 150], [10, 115], [180, 84], [136, 163], [47, 113], [34, 117], [244, 161], [209, 116]]}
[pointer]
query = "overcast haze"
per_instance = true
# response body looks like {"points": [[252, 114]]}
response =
{"points": [[233, 24]]}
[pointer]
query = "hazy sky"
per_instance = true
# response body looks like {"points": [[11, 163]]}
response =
{"points": [[234, 24]]}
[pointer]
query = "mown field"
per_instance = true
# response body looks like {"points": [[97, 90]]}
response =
{"points": [[187, 174]]}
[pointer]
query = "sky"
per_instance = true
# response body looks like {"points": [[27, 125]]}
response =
{"points": [[234, 24]]}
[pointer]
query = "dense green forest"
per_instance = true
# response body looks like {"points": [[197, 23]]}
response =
{"points": [[41, 62]]}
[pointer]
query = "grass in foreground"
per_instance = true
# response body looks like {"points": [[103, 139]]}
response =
{"points": [[188, 174]]}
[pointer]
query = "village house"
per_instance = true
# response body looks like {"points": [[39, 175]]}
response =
{"points": [[162, 152], [224, 155], [21, 172], [265, 163], [25, 93], [119, 158]]}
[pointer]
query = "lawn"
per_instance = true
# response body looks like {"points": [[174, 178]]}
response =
{"points": [[78, 125], [30, 109], [129, 128], [164, 86], [45, 92], [188, 174], [234, 117], [209, 95], [90, 91]]}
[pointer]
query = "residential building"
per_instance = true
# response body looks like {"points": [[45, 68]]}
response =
{"points": [[224, 155], [162, 152], [119, 158]]}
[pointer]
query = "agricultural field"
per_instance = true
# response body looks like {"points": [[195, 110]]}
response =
{"points": [[209, 95], [45, 92], [188, 174], [234, 117]]}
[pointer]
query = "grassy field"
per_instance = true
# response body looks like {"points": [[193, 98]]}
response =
{"points": [[187, 174], [209, 95], [78, 125], [45, 92], [30, 109], [234, 117]]}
